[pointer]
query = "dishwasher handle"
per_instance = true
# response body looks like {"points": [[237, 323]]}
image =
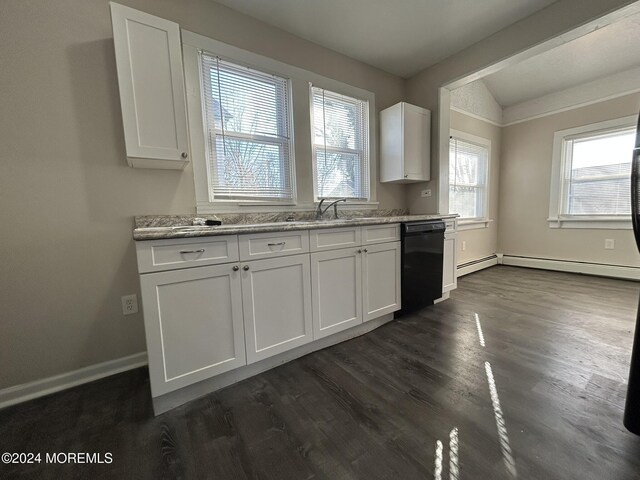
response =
{"points": [[420, 228]]}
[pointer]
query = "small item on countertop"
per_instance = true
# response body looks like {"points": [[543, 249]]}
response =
{"points": [[199, 221], [212, 223]]}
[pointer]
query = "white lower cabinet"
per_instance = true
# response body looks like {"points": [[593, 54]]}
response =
{"points": [[381, 279], [206, 320], [276, 296], [354, 285], [193, 323], [336, 286]]}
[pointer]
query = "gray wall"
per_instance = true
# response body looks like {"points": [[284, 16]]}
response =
{"points": [[525, 174], [67, 195]]}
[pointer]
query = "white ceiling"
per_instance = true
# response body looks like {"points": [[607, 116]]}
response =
{"points": [[398, 36], [607, 51]]}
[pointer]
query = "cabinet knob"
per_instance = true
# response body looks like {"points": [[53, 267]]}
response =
{"points": [[365, 250], [245, 268], [236, 268], [359, 251], [406, 176], [184, 154]]}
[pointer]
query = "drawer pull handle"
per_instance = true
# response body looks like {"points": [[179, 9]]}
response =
{"points": [[275, 244], [192, 251]]}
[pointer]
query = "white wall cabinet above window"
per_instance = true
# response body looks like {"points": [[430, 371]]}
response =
{"points": [[405, 144], [591, 176], [152, 95]]}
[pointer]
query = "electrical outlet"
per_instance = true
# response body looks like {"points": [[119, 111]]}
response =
{"points": [[609, 243], [463, 245], [426, 192], [129, 304]]}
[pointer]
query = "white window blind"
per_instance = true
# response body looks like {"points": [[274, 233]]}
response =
{"points": [[468, 163], [247, 118], [340, 129], [597, 173]]}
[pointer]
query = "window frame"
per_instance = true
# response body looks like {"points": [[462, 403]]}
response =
{"points": [[484, 220], [300, 129], [252, 137], [557, 218], [366, 147]]}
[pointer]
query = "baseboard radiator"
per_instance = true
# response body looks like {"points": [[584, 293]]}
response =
{"points": [[585, 268], [475, 265]]}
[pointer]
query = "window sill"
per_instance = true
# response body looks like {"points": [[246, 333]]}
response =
{"points": [[592, 222], [257, 207], [473, 224]]}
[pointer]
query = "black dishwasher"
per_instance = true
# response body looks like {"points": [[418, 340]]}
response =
{"points": [[422, 252]]}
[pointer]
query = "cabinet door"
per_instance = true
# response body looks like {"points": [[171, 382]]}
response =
{"points": [[151, 82], [276, 295], [417, 144], [381, 279], [449, 280], [336, 283], [193, 323]]}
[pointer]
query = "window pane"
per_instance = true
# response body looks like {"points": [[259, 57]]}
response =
{"points": [[467, 178], [340, 138], [338, 174], [246, 168], [464, 201], [247, 115], [599, 174]]}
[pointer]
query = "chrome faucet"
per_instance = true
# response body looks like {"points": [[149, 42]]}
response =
{"points": [[320, 211]]}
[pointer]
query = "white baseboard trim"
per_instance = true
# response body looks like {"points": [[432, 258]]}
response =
{"points": [[476, 265], [39, 388], [586, 268]]}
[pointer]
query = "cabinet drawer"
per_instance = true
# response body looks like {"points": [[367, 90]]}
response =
{"points": [[450, 226], [381, 233], [159, 255], [268, 245], [334, 238]]}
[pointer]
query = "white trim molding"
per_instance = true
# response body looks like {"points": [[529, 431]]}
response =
{"points": [[557, 192], [300, 128], [594, 223], [45, 386], [586, 268], [473, 224]]}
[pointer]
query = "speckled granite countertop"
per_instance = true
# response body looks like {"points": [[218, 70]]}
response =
{"points": [[164, 226]]}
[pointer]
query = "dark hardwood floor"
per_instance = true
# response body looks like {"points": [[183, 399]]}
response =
{"points": [[557, 346]]}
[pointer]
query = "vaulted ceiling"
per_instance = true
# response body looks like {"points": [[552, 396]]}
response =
{"points": [[610, 50]]}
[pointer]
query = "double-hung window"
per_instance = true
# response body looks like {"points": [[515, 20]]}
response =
{"points": [[247, 118], [340, 135], [468, 176], [591, 179]]}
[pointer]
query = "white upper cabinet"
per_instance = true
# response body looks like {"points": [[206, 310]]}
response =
{"points": [[152, 93], [405, 144]]}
